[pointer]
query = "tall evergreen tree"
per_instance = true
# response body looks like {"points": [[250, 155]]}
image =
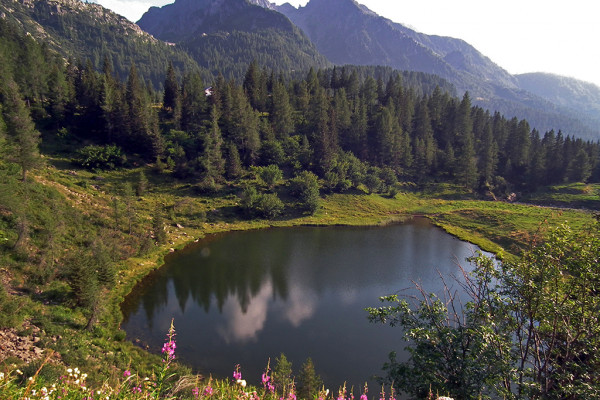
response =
{"points": [[193, 103], [425, 146], [309, 383], [488, 160], [212, 158], [466, 171], [143, 120], [281, 112], [242, 122], [22, 138], [171, 96], [255, 85]]}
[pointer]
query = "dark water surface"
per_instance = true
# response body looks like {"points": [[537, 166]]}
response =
{"points": [[242, 297]]}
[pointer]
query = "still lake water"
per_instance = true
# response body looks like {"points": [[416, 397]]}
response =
{"points": [[245, 297]]}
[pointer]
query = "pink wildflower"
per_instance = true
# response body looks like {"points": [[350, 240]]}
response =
{"points": [[127, 373], [382, 394], [169, 346], [363, 396], [342, 393], [237, 375], [392, 397], [208, 391], [267, 382]]}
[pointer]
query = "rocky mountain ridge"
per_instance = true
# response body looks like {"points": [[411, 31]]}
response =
{"points": [[347, 32]]}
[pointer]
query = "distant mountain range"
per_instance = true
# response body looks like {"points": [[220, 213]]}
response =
{"points": [[224, 36], [347, 32]]}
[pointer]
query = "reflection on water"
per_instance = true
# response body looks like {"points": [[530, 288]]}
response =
{"points": [[245, 297]]}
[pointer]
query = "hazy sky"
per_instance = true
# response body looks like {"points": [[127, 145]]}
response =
{"points": [[555, 36]]}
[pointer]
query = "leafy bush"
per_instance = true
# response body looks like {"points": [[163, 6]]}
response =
{"points": [[270, 175], [305, 186], [95, 157], [267, 205], [529, 330]]}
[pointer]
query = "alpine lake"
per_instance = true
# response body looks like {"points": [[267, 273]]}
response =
{"points": [[246, 297]]}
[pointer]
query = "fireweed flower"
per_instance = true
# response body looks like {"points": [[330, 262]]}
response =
{"points": [[382, 394], [392, 393], [342, 393], [363, 396], [126, 374], [208, 391], [237, 375], [266, 380], [169, 346]]}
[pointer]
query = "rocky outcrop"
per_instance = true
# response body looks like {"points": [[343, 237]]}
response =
{"points": [[25, 348]]}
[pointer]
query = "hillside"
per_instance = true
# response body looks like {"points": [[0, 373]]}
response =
{"points": [[224, 36], [82, 31], [574, 94], [347, 32]]}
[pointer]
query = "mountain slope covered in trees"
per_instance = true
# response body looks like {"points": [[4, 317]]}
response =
{"points": [[349, 33], [581, 97], [224, 36], [87, 31]]}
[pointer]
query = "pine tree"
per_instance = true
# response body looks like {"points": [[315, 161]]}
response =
{"points": [[489, 155], [158, 225], [242, 126], [193, 103], [233, 164], [580, 167], [255, 86], [142, 184], [425, 146], [58, 95], [144, 137], [282, 375], [22, 137], [309, 383], [115, 110], [281, 113], [466, 171], [171, 91], [212, 158]]}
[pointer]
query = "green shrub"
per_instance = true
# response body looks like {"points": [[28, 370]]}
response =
{"points": [[95, 157], [11, 314]]}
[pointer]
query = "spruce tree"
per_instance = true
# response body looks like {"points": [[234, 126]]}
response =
{"points": [[22, 138], [171, 90], [282, 375], [309, 383], [193, 103], [466, 171], [233, 164], [212, 158], [281, 113]]}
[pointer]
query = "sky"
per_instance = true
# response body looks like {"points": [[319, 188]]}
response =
{"points": [[555, 36]]}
